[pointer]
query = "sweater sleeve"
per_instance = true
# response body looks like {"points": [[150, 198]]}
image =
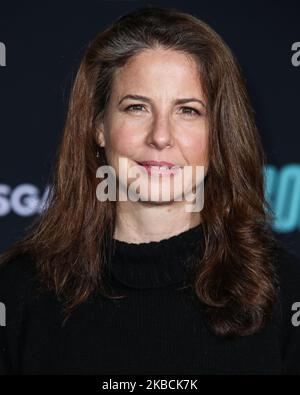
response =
{"points": [[289, 281], [14, 283]]}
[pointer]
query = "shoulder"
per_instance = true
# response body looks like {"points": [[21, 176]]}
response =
{"points": [[17, 276], [17, 290], [288, 269], [288, 266], [288, 274]]}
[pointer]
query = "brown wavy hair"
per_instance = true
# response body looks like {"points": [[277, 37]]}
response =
{"points": [[70, 241]]}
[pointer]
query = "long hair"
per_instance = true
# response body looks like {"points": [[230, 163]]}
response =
{"points": [[235, 277]]}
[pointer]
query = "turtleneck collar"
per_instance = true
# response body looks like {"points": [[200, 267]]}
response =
{"points": [[157, 263]]}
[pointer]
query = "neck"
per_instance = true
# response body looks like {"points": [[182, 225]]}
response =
{"points": [[141, 222]]}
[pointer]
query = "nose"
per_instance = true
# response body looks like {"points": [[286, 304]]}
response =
{"points": [[160, 135]]}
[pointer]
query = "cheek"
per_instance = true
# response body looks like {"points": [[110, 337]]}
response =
{"points": [[122, 141], [195, 148]]}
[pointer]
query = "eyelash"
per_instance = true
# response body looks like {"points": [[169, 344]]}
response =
{"points": [[141, 105]]}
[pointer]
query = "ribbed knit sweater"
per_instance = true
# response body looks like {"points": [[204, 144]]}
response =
{"points": [[157, 328]]}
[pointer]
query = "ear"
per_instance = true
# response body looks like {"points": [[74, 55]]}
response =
{"points": [[100, 135]]}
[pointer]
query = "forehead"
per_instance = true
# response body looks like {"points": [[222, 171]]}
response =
{"points": [[158, 71]]}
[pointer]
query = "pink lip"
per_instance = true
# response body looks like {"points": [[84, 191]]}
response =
{"points": [[155, 163], [154, 167]]}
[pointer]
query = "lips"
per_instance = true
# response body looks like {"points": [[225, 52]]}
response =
{"points": [[162, 168], [158, 164]]}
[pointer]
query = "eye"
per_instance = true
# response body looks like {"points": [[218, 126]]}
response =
{"points": [[133, 107], [191, 111]]}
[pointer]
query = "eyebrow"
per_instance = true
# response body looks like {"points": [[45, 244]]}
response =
{"points": [[177, 101]]}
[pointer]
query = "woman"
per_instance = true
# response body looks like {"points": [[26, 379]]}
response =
{"points": [[146, 285]]}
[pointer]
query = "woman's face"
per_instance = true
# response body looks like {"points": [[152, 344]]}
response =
{"points": [[156, 127]]}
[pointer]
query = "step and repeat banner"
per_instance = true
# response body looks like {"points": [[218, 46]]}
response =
{"points": [[41, 45]]}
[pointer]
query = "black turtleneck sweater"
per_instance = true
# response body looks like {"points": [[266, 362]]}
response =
{"points": [[158, 328]]}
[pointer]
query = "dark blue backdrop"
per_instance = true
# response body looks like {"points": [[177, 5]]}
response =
{"points": [[40, 48]]}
